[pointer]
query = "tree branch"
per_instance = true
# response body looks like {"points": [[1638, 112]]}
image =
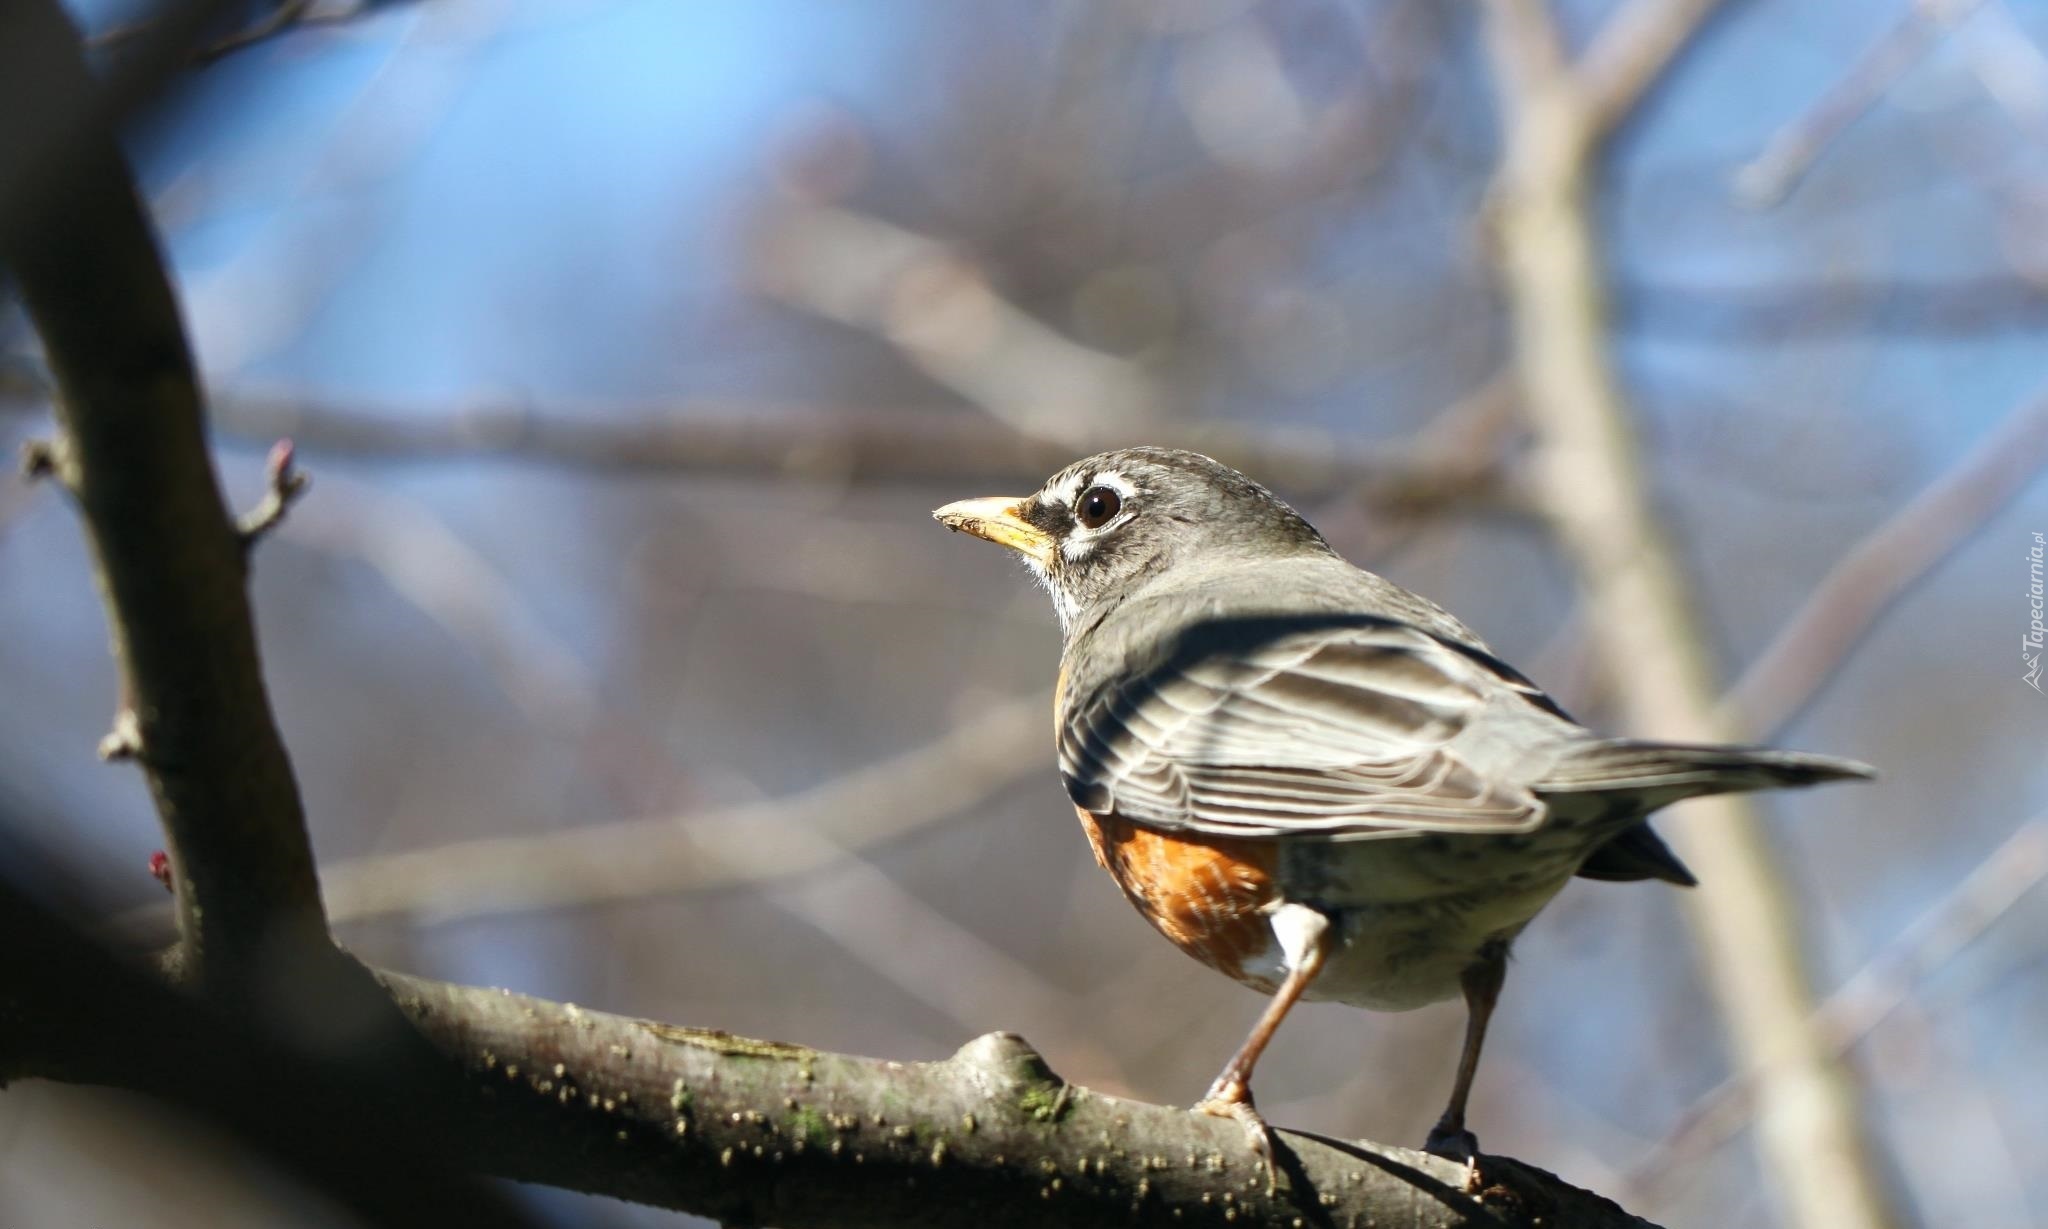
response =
{"points": [[747, 1132], [169, 557], [1779, 313], [1638, 606], [282, 486], [858, 445]]}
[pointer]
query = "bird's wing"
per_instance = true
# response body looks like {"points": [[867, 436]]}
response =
{"points": [[1345, 727]]}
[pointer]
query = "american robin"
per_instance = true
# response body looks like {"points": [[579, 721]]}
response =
{"points": [[1309, 778]]}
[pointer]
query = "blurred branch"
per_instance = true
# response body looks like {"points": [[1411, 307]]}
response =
{"points": [[1873, 574], [170, 559], [1631, 52], [2009, 64], [623, 860], [1883, 566], [938, 308], [1780, 312], [426, 563], [1467, 439], [1635, 597], [1771, 176], [859, 446], [1885, 983]]}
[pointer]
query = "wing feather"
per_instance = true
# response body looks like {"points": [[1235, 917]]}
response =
{"points": [[1348, 729]]}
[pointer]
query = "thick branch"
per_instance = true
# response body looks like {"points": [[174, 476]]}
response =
{"points": [[170, 560], [1642, 617], [763, 1133], [747, 1132]]}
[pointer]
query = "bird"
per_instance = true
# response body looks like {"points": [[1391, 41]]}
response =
{"points": [[1310, 779]]}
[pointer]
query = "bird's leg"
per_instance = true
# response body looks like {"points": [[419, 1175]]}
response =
{"points": [[1481, 981], [1305, 937]]}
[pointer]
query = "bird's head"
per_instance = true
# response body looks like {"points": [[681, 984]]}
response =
{"points": [[1103, 527]]}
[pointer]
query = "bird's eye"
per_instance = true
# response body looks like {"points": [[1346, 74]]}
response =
{"points": [[1097, 507]]}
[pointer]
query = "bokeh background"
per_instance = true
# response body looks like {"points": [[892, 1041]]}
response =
{"points": [[629, 343]]}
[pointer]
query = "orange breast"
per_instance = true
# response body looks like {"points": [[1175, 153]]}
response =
{"points": [[1204, 893]]}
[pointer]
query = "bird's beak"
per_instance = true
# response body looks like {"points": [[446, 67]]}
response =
{"points": [[999, 519]]}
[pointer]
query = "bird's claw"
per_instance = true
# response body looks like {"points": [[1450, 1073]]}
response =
{"points": [[1234, 1100]]}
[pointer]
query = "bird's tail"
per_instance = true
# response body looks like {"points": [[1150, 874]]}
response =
{"points": [[1671, 771]]}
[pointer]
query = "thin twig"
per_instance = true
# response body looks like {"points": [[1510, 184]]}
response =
{"points": [[1771, 176], [283, 484]]}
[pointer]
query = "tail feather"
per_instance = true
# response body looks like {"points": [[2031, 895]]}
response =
{"points": [[1686, 770]]}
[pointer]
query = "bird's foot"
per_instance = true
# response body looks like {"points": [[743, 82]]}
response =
{"points": [[1452, 1143], [1455, 1143], [1229, 1098]]}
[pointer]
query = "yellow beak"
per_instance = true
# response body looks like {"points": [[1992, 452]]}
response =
{"points": [[999, 520]]}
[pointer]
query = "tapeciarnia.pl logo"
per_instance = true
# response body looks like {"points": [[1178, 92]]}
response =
{"points": [[2037, 631]]}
